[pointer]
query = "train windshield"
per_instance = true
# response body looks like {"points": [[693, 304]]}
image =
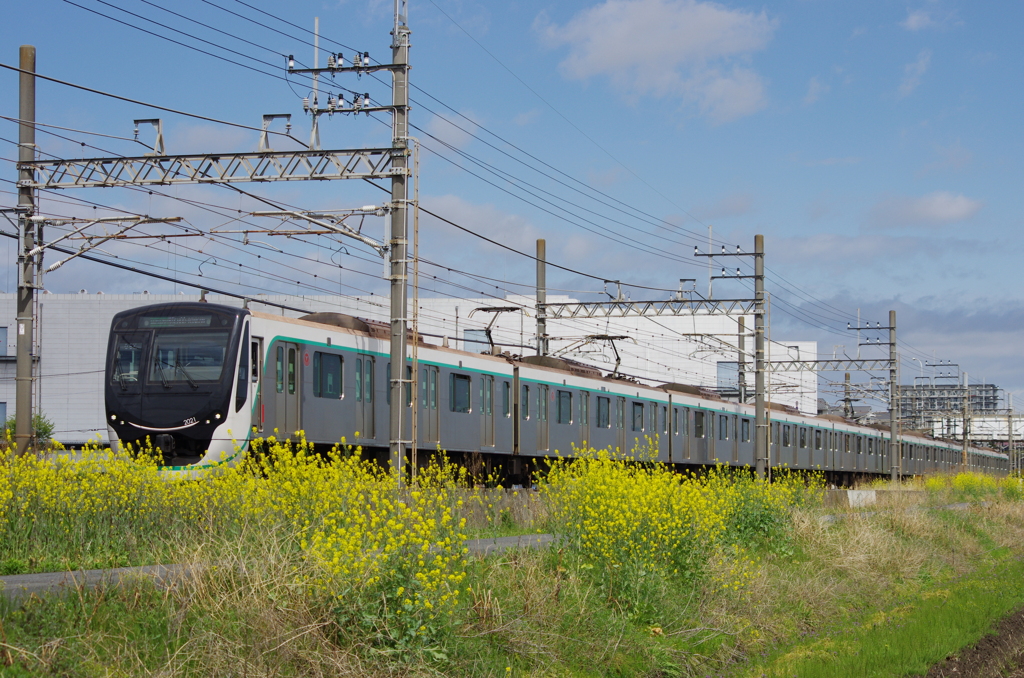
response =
{"points": [[128, 357], [189, 357]]}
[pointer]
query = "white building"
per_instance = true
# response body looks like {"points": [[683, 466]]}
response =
{"points": [[699, 350]]}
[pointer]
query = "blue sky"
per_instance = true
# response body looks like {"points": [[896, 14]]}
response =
{"points": [[875, 145]]}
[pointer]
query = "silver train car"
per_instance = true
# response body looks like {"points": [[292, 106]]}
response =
{"points": [[201, 381]]}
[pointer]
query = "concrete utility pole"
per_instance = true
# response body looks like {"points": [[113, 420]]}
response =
{"points": [[741, 365], [1009, 431], [761, 412], [895, 453], [399, 229], [542, 298], [967, 415], [26, 267], [847, 400]]}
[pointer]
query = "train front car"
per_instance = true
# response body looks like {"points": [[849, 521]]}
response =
{"points": [[178, 374]]}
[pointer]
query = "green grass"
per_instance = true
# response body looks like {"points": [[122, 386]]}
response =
{"points": [[885, 595], [908, 639]]}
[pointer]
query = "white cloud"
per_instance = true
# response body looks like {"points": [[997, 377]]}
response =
{"points": [[953, 157], [918, 19], [732, 205], [913, 72], [454, 130], [814, 91], [698, 51], [934, 209], [526, 117]]}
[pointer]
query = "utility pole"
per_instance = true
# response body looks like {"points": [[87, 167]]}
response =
{"points": [[967, 420], [895, 453], [399, 229], [761, 412], [1009, 431], [542, 298], [847, 400], [26, 267], [741, 365]]}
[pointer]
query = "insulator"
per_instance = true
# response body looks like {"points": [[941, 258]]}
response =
{"points": [[305, 103], [366, 58], [358, 60], [341, 60], [330, 61], [366, 100], [341, 101], [291, 61]]}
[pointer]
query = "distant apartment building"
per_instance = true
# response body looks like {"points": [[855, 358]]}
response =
{"points": [[939, 399]]}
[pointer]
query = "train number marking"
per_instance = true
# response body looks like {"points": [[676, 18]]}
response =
{"points": [[190, 420]]}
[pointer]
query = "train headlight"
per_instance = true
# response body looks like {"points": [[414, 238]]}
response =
{"points": [[113, 417], [216, 415]]}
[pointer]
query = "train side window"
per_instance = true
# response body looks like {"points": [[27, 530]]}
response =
{"points": [[368, 381], [242, 388], [664, 419], [433, 389], [255, 358], [803, 437], [564, 413], [327, 375], [653, 408], [698, 424], [584, 408], [408, 386], [359, 379], [817, 439], [871, 446], [786, 442], [506, 399], [542, 402], [279, 374], [292, 366], [461, 388], [603, 412], [486, 395], [620, 413], [745, 430], [684, 421], [638, 416], [524, 402], [723, 427], [860, 444]]}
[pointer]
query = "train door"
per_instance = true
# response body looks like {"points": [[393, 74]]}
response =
{"points": [[286, 388], [620, 424], [256, 361], [584, 418], [701, 431], [429, 429], [364, 395], [487, 410], [542, 417], [735, 428], [517, 430]]}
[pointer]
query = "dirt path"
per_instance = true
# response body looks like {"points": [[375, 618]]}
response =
{"points": [[999, 655]]}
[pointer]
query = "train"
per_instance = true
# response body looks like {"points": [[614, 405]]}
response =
{"points": [[202, 381]]}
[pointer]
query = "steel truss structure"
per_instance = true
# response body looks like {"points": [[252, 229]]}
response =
{"points": [[224, 168]]}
